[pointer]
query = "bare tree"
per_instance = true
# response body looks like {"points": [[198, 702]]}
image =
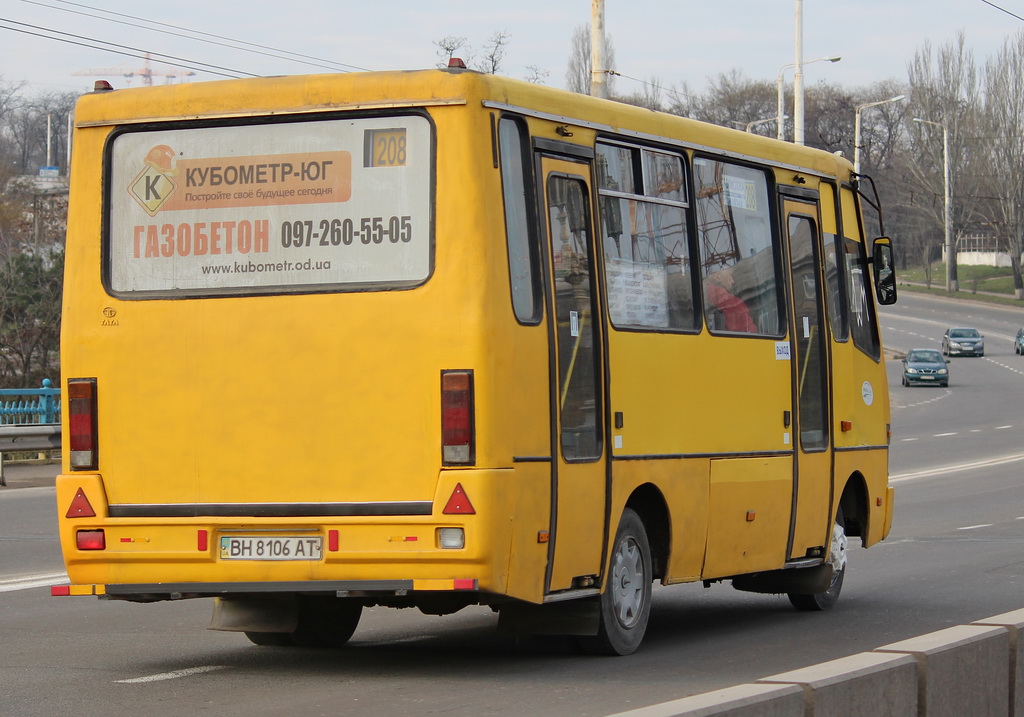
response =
{"points": [[733, 100], [945, 89], [537, 76], [494, 53], [1002, 147], [448, 46]]}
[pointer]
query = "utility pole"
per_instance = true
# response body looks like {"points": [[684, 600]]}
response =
{"points": [[798, 77], [598, 74]]}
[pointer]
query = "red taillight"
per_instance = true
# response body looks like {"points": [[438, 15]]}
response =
{"points": [[82, 423], [458, 445], [91, 540]]}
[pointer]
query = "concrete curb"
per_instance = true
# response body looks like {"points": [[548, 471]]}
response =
{"points": [[975, 669]]}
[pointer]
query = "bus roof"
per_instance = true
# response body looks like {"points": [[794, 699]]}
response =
{"points": [[303, 94]]}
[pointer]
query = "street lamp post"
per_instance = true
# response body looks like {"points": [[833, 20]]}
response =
{"points": [[750, 125], [856, 126], [951, 284], [780, 88]]}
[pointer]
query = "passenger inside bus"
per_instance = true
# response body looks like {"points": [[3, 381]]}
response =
{"points": [[729, 312]]}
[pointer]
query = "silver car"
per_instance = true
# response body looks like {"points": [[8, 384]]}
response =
{"points": [[963, 342]]}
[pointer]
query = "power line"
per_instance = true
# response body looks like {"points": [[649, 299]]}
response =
{"points": [[80, 40], [652, 85], [1002, 9], [229, 42]]}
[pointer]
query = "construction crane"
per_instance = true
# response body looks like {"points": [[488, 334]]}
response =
{"points": [[146, 72]]}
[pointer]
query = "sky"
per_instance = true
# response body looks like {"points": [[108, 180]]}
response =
{"points": [[670, 41]]}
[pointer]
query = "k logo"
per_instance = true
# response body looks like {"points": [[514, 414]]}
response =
{"points": [[154, 184]]}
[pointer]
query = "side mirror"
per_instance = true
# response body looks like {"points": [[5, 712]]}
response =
{"points": [[885, 275]]}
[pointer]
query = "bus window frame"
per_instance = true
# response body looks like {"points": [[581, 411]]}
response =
{"points": [[276, 290], [687, 205], [532, 216], [865, 263], [843, 335], [779, 261]]}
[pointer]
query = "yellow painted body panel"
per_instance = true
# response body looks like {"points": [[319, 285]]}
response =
{"points": [[750, 509], [336, 396]]}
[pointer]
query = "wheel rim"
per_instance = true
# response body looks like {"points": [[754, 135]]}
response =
{"points": [[837, 552], [628, 582]]}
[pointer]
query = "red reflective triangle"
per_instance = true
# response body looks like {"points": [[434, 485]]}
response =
{"points": [[80, 507], [459, 503]]}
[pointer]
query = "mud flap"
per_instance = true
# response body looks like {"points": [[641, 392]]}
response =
{"points": [[796, 581], [572, 617]]}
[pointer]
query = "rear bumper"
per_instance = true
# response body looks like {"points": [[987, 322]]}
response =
{"points": [[173, 554], [150, 592]]}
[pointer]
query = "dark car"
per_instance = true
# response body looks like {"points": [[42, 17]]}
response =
{"points": [[1018, 342], [963, 342], [925, 366]]}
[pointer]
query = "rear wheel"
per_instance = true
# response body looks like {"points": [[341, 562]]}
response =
{"points": [[271, 639], [837, 559], [625, 604]]}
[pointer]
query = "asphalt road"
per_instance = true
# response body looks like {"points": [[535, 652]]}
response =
{"points": [[954, 556]]}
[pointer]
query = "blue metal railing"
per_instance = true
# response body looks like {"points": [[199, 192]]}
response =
{"points": [[28, 406]]}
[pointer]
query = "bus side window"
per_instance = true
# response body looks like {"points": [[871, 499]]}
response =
{"points": [[522, 246], [646, 246], [737, 252], [858, 285]]}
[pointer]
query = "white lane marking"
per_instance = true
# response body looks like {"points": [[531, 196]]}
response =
{"points": [[944, 470], [943, 435], [975, 527], [27, 582], [172, 675]]}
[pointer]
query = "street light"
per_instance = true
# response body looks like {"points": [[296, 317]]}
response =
{"points": [[856, 126], [750, 125], [778, 82], [946, 220]]}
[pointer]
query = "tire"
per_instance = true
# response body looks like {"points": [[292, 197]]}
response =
{"points": [[271, 639], [905, 381], [625, 604], [837, 558], [323, 622]]}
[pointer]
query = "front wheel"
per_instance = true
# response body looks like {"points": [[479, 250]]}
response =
{"points": [[837, 559], [625, 604]]}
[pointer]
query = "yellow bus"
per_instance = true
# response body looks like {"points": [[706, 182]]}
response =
{"points": [[438, 338]]}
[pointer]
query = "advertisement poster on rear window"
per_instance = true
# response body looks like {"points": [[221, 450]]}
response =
{"points": [[317, 205]]}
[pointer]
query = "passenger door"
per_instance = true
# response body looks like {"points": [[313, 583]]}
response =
{"points": [[810, 360], [576, 378]]}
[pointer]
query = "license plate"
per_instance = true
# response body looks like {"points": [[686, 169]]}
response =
{"points": [[927, 378], [280, 547]]}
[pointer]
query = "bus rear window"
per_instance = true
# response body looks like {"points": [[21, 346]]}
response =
{"points": [[337, 204]]}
